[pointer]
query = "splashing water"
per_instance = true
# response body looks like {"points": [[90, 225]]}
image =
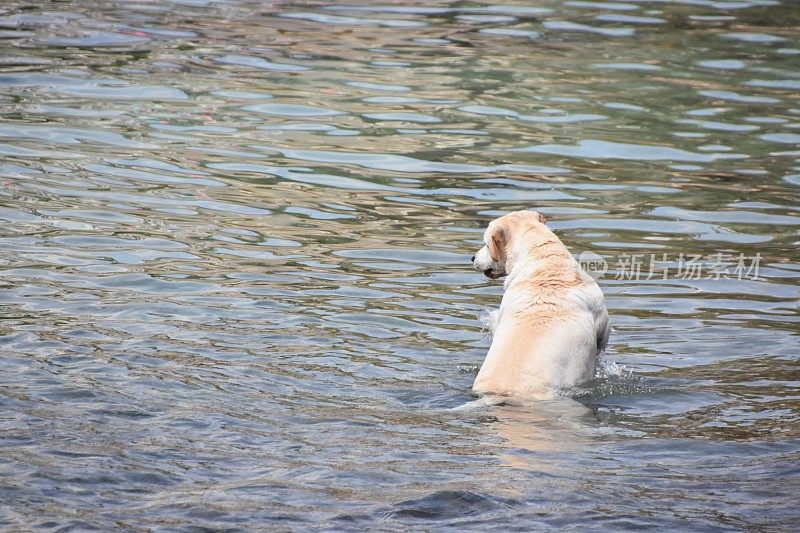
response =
{"points": [[488, 319]]}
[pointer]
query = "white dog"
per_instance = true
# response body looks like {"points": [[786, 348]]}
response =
{"points": [[552, 321]]}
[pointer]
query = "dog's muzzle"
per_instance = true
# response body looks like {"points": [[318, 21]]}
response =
{"points": [[491, 274]]}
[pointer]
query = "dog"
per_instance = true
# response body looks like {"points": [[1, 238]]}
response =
{"points": [[552, 322]]}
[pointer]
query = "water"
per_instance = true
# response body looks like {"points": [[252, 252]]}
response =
{"points": [[235, 262]]}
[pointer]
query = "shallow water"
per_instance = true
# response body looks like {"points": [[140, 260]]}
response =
{"points": [[234, 262]]}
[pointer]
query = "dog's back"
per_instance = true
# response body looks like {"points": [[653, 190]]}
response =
{"points": [[552, 323], [545, 346]]}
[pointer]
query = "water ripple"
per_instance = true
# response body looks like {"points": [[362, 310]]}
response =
{"points": [[235, 280]]}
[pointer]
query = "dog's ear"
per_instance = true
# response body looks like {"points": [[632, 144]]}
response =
{"points": [[541, 218], [498, 239]]}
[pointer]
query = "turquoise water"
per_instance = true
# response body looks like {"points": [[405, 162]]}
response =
{"points": [[235, 280]]}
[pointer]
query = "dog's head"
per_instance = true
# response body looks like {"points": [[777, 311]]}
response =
{"points": [[500, 237]]}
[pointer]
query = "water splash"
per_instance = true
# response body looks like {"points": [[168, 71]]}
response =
{"points": [[488, 319]]}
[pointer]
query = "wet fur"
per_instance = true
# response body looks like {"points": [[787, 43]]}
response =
{"points": [[552, 321]]}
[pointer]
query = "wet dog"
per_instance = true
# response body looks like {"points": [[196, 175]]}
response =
{"points": [[552, 321]]}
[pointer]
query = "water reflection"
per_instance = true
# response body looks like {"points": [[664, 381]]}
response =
{"points": [[234, 262]]}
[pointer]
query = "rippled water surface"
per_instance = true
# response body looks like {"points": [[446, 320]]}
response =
{"points": [[234, 262]]}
